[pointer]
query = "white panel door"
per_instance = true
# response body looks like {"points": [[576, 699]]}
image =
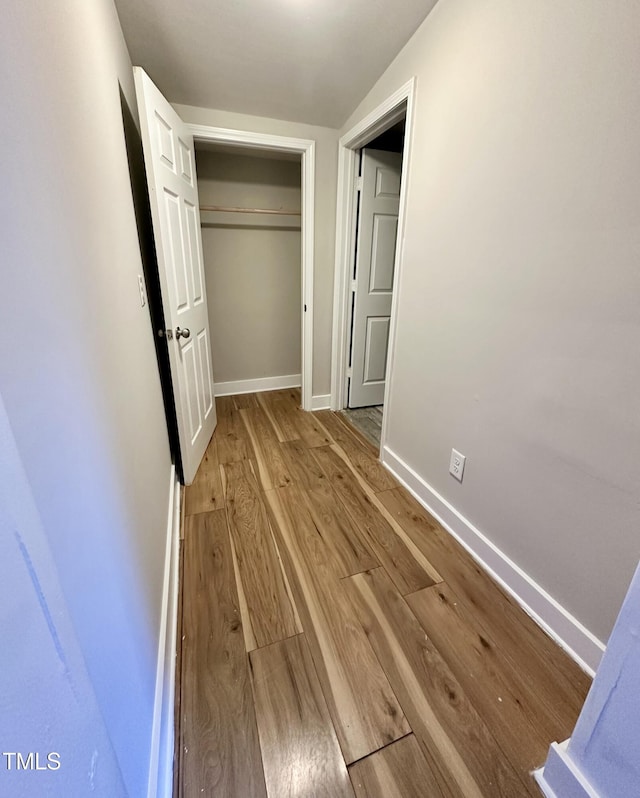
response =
{"points": [[375, 257], [173, 192]]}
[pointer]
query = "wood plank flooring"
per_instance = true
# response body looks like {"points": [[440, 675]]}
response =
{"points": [[399, 770], [270, 610], [364, 709], [297, 737], [219, 752], [336, 641]]}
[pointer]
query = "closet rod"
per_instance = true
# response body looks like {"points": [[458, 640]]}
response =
{"points": [[272, 211]]}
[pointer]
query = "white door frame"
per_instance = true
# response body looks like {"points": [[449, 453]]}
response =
{"points": [[305, 148], [397, 105]]}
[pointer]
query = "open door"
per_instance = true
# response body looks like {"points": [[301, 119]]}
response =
{"points": [[376, 251], [175, 213]]}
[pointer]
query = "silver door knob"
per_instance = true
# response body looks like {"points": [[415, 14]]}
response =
{"points": [[183, 333]]}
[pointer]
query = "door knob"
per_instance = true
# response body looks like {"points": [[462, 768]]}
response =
{"points": [[183, 333]]}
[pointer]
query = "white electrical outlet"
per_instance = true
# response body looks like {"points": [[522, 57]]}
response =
{"points": [[456, 466], [143, 292]]}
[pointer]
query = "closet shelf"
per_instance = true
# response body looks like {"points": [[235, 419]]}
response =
{"points": [[270, 211]]}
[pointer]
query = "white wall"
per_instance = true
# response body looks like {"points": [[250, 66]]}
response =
{"points": [[47, 704], [606, 738], [519, 322], [325, 201], [603, 749], [252, 265], [78, 370]]}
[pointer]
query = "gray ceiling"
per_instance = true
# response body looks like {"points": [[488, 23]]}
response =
{"points": [[303, 60]]}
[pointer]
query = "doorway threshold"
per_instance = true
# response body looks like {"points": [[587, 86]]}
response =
{"points": [[367, 420]]}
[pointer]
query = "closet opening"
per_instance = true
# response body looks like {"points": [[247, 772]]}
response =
{"points": [[250, 217], [256, 194]]}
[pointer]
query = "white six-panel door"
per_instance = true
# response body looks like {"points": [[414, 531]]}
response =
{"points": [[173, 193], [375, 257]]}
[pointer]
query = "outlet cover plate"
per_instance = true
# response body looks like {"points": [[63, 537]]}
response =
{"points": [[456, 465]]}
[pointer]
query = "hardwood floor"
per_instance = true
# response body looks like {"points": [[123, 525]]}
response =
{"points": [[336, 641], [364, 709], [296, 734], [219, 751], [259, 574]]}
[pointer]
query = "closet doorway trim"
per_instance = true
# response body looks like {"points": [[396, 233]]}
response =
{"points": [[305, 148]]}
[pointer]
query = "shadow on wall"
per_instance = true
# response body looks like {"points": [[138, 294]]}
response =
{"points": [[140, 194]]}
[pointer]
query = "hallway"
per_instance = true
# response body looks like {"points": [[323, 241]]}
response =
{"points": [[336, 640]]}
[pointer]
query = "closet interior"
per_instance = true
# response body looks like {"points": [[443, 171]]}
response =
{"points": [[250, 214]]}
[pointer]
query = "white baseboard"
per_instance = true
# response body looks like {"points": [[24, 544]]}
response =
{"points": [[322, 402], [566, 630], [261, 384], [162, 737], [561, 778]]}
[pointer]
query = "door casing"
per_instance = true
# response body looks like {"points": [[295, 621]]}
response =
{"points": [[398, 105]]}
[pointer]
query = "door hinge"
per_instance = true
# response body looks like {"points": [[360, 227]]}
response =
{"points": [[349, 372], [359, 183], [353, 286]]}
